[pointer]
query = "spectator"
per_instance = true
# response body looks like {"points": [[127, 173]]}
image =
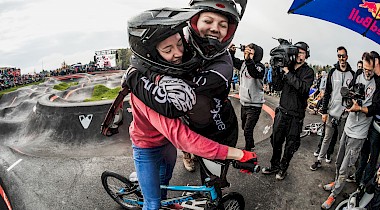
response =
{"points": [[355, 131], [359, 65], [295, 82], [265, 86], [270, 80], [251, 89], [235, 80], [369, 154], [333, 115]]}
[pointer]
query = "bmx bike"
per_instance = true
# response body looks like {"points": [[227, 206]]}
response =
{"points": [[312, 128], [127, 193], [357, 200]]}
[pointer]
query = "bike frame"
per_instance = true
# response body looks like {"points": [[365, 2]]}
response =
{"points": [[212, 168], [199, 190]]}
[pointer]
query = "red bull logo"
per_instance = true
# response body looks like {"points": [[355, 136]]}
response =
{"points": [[365, 20], [372, 7]]}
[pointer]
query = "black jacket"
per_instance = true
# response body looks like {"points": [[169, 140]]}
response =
{"points": [[251, 64], [374, 108], [295, 87], [212, 116]]}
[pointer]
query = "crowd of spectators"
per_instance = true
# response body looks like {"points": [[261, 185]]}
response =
{"points": [[73, 69], [11, 77]]}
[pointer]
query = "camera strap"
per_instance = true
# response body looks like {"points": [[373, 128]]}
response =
{"points": [[343, 77]]}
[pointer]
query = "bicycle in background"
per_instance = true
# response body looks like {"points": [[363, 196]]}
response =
{"points": [[312, 128]]}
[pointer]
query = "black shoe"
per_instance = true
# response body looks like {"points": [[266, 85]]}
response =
{"points": [[269, 170], [316, 165], [351, 179], [281, 175]]}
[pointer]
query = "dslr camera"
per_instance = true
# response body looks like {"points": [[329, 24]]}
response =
{"points": [[356, 92], [242, 47], [284, 54]]}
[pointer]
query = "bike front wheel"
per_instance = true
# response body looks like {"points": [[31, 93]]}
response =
{"points": [[121, 190], [232, 201], [342, 205]]}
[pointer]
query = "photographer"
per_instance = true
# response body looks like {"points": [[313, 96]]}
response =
{"points": [[371, 147], [333, 114], [295, 81], [355, 129], [251, 89]]}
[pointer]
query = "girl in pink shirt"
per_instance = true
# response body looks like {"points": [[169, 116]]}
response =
{"points": [[156, 37]]}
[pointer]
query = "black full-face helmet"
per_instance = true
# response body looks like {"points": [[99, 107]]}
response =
{"points": [[304, 46], [210, 48], [151, 27]]}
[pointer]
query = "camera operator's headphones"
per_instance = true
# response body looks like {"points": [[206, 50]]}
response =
{"points": [[303, 46]]}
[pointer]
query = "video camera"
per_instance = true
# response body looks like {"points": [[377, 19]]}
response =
{"points": [[356, 92], [284, 54]]}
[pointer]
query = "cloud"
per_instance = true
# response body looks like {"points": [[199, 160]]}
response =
{"points": [[53, 31]]}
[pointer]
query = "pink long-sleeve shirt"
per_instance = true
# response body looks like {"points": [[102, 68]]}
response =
{"points": [[150, 129]]}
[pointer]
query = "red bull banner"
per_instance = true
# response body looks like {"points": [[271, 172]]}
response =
{"points": [[360, 16]]}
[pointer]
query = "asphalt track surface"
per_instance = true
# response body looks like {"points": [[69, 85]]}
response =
{"points": [[48, 160]]}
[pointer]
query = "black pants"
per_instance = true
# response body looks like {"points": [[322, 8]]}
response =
{"points": [[286, 128], [249, 117], [270, 87], [368, 157], [334, 139]]}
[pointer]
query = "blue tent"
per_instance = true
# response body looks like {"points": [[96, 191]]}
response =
{"points": [[358, 15]]}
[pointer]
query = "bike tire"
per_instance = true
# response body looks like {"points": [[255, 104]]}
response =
{"points": [[113, 183], [232, 201], [342, 205]]}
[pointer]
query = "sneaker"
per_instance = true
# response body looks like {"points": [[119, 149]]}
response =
{"points": [[188, 162], [316, 165], [281, 175], [316, 153], [351, 178], [328, 158], [269, 170], [329, 187], [328, 203]]}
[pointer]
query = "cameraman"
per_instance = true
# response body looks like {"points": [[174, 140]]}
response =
{"points": [[251, 89], [295, 81], [371, 147], [355, 130], [333, 114]]}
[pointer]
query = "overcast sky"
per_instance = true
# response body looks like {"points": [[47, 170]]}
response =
{"points": [[43, 33]]}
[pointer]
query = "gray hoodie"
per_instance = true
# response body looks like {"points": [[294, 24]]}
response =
{"points": [[332, 100], [251, 89]]}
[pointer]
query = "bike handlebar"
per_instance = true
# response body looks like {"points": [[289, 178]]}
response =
{"points": [[254, 168]]}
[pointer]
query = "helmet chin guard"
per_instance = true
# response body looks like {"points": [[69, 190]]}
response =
{"points": [[151, 27], [210, 48]]}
